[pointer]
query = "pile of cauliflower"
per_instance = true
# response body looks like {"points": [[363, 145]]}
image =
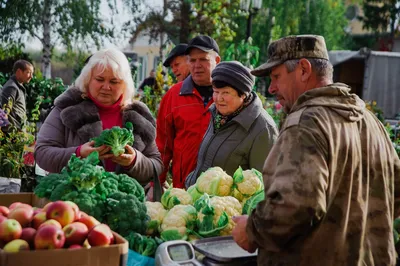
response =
{"points": [[207, 207]]}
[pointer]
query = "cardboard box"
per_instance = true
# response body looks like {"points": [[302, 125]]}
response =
{"points": [[114, 255]]}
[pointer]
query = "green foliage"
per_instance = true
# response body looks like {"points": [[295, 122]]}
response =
{"points": [[116, 138], [15, 143], [244, 52], [43, 89], [9, 53], [380, 15], [152, 95], [392, 130]]}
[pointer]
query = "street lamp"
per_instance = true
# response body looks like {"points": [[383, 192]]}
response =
{"points": [[251, 6]]}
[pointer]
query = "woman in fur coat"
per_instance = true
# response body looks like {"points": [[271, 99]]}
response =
{"points": [[100, 99]]}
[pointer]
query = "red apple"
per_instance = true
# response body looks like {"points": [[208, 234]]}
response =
{"points": [[90, 221], [75, 233], [16, 245], [4, 211], [10, 229], [38, 219], [2, 218], [75, 246], [49, 237], [61, 212], [46, 206], [36, 210], [101, 235], [51, 222], [28, 234], [82, 213], [23, 214], [75, 208], [18, 204]]}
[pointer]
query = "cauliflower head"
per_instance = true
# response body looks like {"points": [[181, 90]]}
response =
{"points": [[176, 196], [227, 204], [209, 222], [178, 222], [247, 182], [215, 181], [156, 212]]}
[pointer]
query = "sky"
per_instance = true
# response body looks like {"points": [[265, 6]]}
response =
{"points": [[34, 43]]}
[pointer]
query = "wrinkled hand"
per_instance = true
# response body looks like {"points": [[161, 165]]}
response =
{"points": [[124, 159], [88, 148], [239, 233]]}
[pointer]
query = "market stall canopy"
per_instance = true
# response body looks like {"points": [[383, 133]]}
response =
{"points": [[381, 77]]}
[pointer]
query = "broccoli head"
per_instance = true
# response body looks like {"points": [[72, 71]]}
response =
{"points": [[47, 184], [116, 138], [91, 203], [126, 213]]}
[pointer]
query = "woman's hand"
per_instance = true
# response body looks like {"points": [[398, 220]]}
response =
{"points": [[125, 159], [88, 148]]}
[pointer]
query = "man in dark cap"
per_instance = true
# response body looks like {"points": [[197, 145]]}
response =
{"points": [[183, 116], [177, 61], [332, 179]]}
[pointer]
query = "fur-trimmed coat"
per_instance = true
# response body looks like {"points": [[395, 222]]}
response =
{"points": [[75, 120]]}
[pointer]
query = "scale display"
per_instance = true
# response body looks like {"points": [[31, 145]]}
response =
{"points": [[180, 252]]}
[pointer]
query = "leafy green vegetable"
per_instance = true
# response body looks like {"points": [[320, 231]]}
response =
{"points": [[91, 203], [47, 184], [192, 190], [127, 184], [84, 173], [116, 138], [126, 213], [143, 245], [251, 203]]}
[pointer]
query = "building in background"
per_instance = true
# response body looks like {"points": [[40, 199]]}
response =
{"points": [[147, 56]]}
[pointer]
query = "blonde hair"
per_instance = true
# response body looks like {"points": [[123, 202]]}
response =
{"points": [[116, 61]]}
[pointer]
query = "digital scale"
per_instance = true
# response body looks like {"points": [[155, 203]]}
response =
{"points": [[212, 251]]}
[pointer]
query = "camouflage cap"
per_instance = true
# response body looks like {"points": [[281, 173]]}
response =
{"points": [[292, 47]]}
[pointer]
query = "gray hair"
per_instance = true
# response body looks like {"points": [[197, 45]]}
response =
{"points": [[321, 67], [117, 62]]}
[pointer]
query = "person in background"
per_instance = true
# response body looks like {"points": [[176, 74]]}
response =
{"points": [[101, 98], [241, 132], [177, 61], [14, 93], [332, 179], [183, 116], [149, 81]]}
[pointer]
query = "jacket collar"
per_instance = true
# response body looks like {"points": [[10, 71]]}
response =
{"points": [[19, 85], [187, 86], [82, 116], [247, 116]]}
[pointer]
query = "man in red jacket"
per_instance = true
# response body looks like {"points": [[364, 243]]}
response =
{"points": [[183, 116]]}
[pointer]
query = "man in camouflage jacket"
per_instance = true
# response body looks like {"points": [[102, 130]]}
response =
{"points": [[332, 179]]}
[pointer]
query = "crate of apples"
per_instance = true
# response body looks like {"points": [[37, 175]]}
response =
{"points": [[57, 225]]}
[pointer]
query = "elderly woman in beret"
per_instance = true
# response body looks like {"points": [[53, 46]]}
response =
{"points": [[101, 98], [241, 132]]}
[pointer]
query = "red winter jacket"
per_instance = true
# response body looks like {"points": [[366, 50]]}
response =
{"points": [[181, 123]]}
